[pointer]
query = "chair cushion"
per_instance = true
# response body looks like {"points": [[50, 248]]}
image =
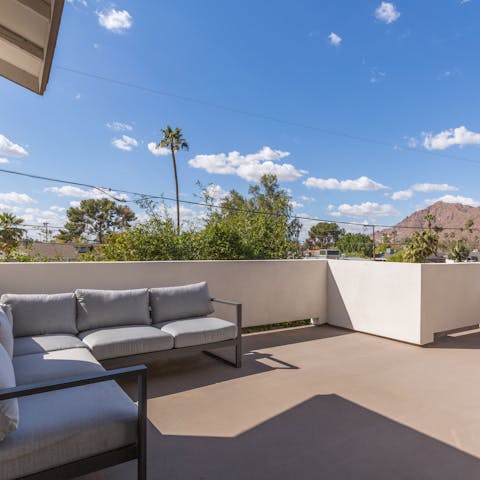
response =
{"points": [[8, 408], [68, 425], [173, 303], [199, 331], [124, 341], [6, 329], [40, 367], [45, 343], [111, 308], [40, 314]]}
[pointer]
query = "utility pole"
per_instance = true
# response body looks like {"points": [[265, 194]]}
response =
{"points": [[46, 231], [373, 239]]}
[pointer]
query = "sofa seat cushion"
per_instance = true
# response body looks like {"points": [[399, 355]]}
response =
{"points": [[40, 314], [199, 331], [112, 308], [186, 301], [40, 367], [117, 342], [45, 343], [68, 425]]}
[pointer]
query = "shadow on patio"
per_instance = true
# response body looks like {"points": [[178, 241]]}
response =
{"points": [[465, 339], [325, 436], [179, 372]]}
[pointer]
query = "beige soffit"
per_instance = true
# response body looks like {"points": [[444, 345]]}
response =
{"points": [[28, 34]]}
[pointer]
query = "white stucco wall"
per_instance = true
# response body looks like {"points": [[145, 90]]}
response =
{"points": [[450, 297], [271, 291], [407, 302], [376, 297]]}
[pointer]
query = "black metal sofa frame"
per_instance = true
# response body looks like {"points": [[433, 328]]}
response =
{"points": [[136, 451]]}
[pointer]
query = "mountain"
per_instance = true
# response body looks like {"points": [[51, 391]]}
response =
{"points": [[446, 215]]}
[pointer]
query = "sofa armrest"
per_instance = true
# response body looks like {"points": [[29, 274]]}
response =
{"points": [[49, 386], [238, 308], [139, 371]]}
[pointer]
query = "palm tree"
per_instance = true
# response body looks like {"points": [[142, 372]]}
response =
{"points": [[11, 232], [173, 139]]}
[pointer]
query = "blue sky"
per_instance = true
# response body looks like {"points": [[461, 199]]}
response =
{"points": [[380, 98]]}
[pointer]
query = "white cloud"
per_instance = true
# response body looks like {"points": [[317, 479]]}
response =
{"points": [[335, 39], [4, 160], [16, 198], [75, 203], [152, 146], [117, 21], [250, 167], [215, 192], [296, 204], [10, 149], [366, 210], [454, 199], [376, 75], [305, 198], [361, 183], [454, 136], [386, 12], [125, 143], [37, 216], [81, 2], [402, 195], [433, 187], [423, 188], [77, 192], [57, 208], [119, 126]]}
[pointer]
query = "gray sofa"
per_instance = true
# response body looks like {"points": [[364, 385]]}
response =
{"points": [[61, 412]]}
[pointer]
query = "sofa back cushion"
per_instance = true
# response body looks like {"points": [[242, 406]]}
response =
{"points": [[173, 303], [8, 408], [112, 308], [40, 314], [6, 329]]}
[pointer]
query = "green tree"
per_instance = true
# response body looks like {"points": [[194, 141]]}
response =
{"points": [[257, 226], [324, 234], [422, 244], [95, 218], [11, 232], [260, 226], [173, 139], [458, 250], [356, 244]]}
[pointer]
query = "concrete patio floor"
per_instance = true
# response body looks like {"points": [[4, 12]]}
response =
{"points": [[316, 402]]}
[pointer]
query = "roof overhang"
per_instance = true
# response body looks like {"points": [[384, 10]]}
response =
{"points": [[28, 34]]}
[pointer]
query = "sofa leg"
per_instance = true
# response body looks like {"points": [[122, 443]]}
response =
{"points": [[238, 354], [237, 363]]}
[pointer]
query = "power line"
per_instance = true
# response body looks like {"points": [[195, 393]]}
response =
{"points": [[109, 190], [262, 116]]}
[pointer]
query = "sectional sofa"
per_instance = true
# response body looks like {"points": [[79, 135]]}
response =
{"points": [[61, 412]]}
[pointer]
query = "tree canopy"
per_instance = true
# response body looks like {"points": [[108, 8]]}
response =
{"points": [[257, 226], [356, 244], [324, 235], [94, 219], [11, 232]]}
